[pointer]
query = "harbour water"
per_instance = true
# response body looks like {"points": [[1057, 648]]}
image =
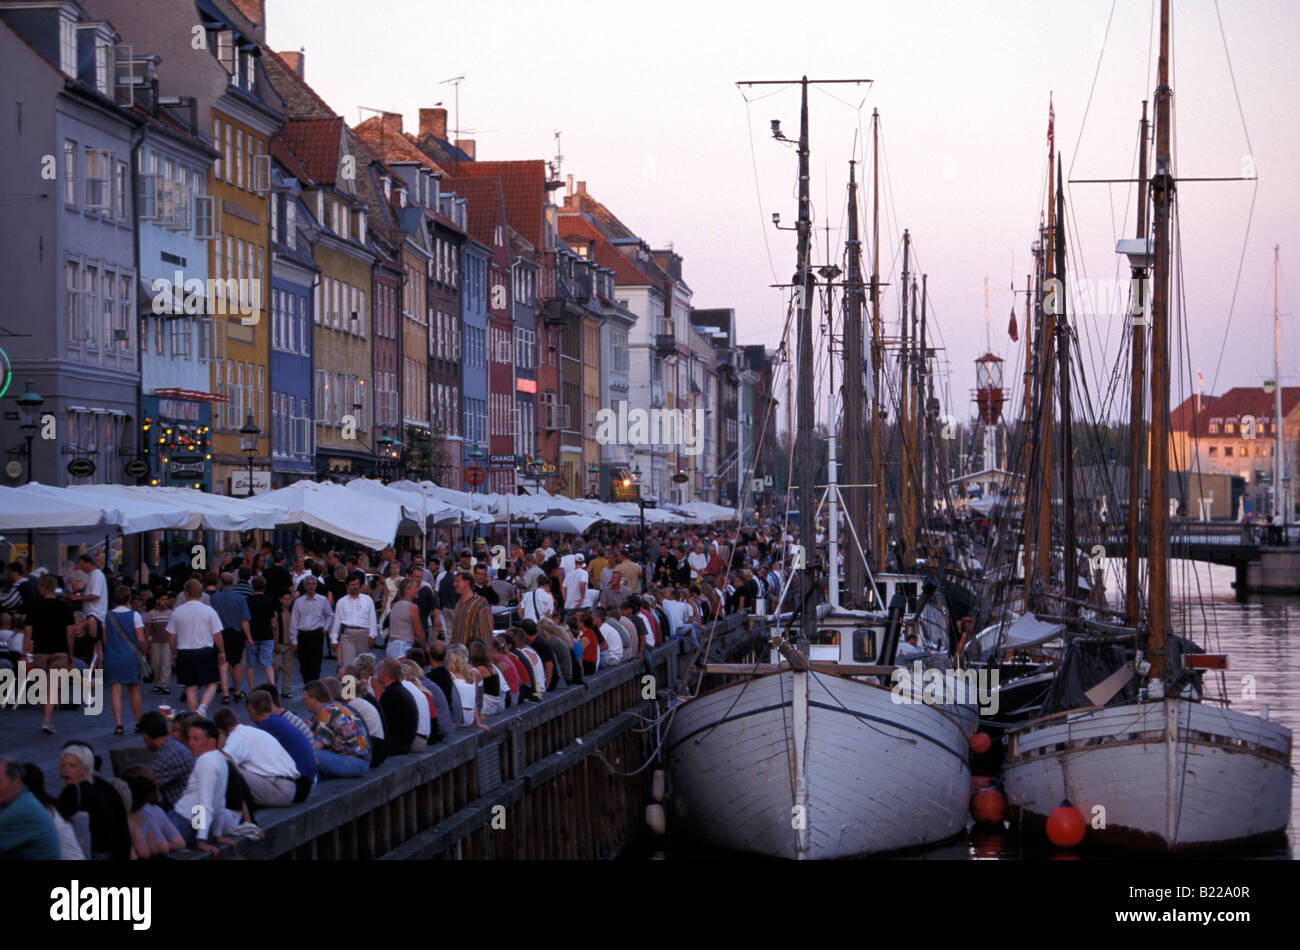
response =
{"points": [[1260, 638]]}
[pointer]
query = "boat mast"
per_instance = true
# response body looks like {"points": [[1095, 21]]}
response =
{"points": [[855, 569], [1137, 400], [904, 421], [923, 498], [1281, 499], [1162, 187], [1069, 557], [804, 446], [1027, 453], [1046, 339], [878, 539]]}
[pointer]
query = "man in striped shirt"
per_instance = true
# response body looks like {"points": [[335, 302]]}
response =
{"points": [[473, 617]]}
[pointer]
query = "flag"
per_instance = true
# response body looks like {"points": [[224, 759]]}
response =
{"points": [[1012, 329], [1051, 123]]}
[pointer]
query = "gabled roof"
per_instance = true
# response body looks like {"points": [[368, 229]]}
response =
{"points": [[485, 206], [315, 143], [524, 185], [307, 104], [285, 156], [626, 271], [1230, 407], [383, 135]]}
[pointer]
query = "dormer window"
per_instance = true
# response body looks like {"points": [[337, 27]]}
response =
{"points": [[68, 45], [249, 72], [227, 55], [401, 197], [361, 227], [290, 221], [102, 83], [388, 188]]}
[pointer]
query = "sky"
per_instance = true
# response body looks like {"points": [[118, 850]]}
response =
{"points": [[650, 116]]}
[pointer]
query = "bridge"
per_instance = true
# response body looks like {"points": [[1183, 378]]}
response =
{"points": [[1267, 560]]}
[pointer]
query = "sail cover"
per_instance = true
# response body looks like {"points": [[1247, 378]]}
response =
{"points": [[1024, 632]]}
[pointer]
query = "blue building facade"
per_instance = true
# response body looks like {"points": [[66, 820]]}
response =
{"points": [[474, 381], [294, 276]]}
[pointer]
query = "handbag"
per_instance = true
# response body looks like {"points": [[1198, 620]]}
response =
{"points": [[146, 669]]}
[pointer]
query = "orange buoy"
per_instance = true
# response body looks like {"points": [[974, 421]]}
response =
{"points": [[980, 743], [1065, 826], [989, 806], [980, 781]]}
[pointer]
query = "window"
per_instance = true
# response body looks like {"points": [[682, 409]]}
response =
{"points": [[101, 68], [206, 221], [99, 195], [68, 46], [216, 143], [304, 340], [239, 158], [1213, 428], [1227, 451], [69, 171], [230, 155], [122, 193], [226, 54], [1227, 427], [181, 338], [290, 223]]}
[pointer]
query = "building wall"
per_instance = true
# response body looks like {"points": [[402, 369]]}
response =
{"points": [[474, 389], [343, 357]]}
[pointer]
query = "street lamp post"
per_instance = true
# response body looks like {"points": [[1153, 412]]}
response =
{"points": [[640, 504], [248, 435], [29, 405]]}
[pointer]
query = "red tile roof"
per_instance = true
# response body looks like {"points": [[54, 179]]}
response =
{"points": [[626, 272], [524, 183], [484, 202], [285, 156], [315, 143], [1230, 407], [383, 135]]}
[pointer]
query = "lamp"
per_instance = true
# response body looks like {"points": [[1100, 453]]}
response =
{"points": [[248, 435], [29, 405]]}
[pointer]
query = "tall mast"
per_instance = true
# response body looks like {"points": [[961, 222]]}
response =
{"points": [[1162, 186], [878, 540], [1137, 400], [854, 495], [923, 420], [1069, 558], [1281, 498], [804, 446], [1027, 453], [904, 419], [1046, 341]]}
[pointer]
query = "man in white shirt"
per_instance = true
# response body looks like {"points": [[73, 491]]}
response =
{"points": [[195, 634], [548, 548], [310, 617], [679, 617], [354, 616], [200, 815], [613, 650], [94, 597], [532, 573], [537, 604], [698, 561], [264, 764], [299, 572], [575, 584], [569, 560]]}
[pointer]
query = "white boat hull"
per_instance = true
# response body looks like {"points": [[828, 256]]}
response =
{"points": [[875, 775], [1169, 776]]}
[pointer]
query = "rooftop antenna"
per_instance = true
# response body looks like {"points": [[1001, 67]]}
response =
{"points": [[455, 81], [559, 156]]}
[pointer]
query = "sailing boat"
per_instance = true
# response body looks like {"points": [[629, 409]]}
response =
{"points": [[1131, 744], [811, 755]]}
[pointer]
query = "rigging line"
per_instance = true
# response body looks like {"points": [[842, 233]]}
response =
{"points": [[765, 95], [1232, 75], [857, 108], [758, 192], [1236, 285], [1092, 89]]}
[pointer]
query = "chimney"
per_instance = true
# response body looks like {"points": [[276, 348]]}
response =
{"points": [[570, 186], [296, 61], [433, 122], [255, 12], [466, 146], [391, 123], [582, 187]]}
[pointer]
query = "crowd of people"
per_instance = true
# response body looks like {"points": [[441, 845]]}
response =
{"points": [[414, 651]]}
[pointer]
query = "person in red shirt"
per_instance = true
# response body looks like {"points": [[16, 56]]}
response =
{"points": [[590, 644], [509, 665]]}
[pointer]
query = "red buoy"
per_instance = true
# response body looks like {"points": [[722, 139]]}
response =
{"points": [[989, 806], [980, 743], [1065, 826]]}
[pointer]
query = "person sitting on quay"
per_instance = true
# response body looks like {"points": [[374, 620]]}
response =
{"points": [[342, 746]]}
